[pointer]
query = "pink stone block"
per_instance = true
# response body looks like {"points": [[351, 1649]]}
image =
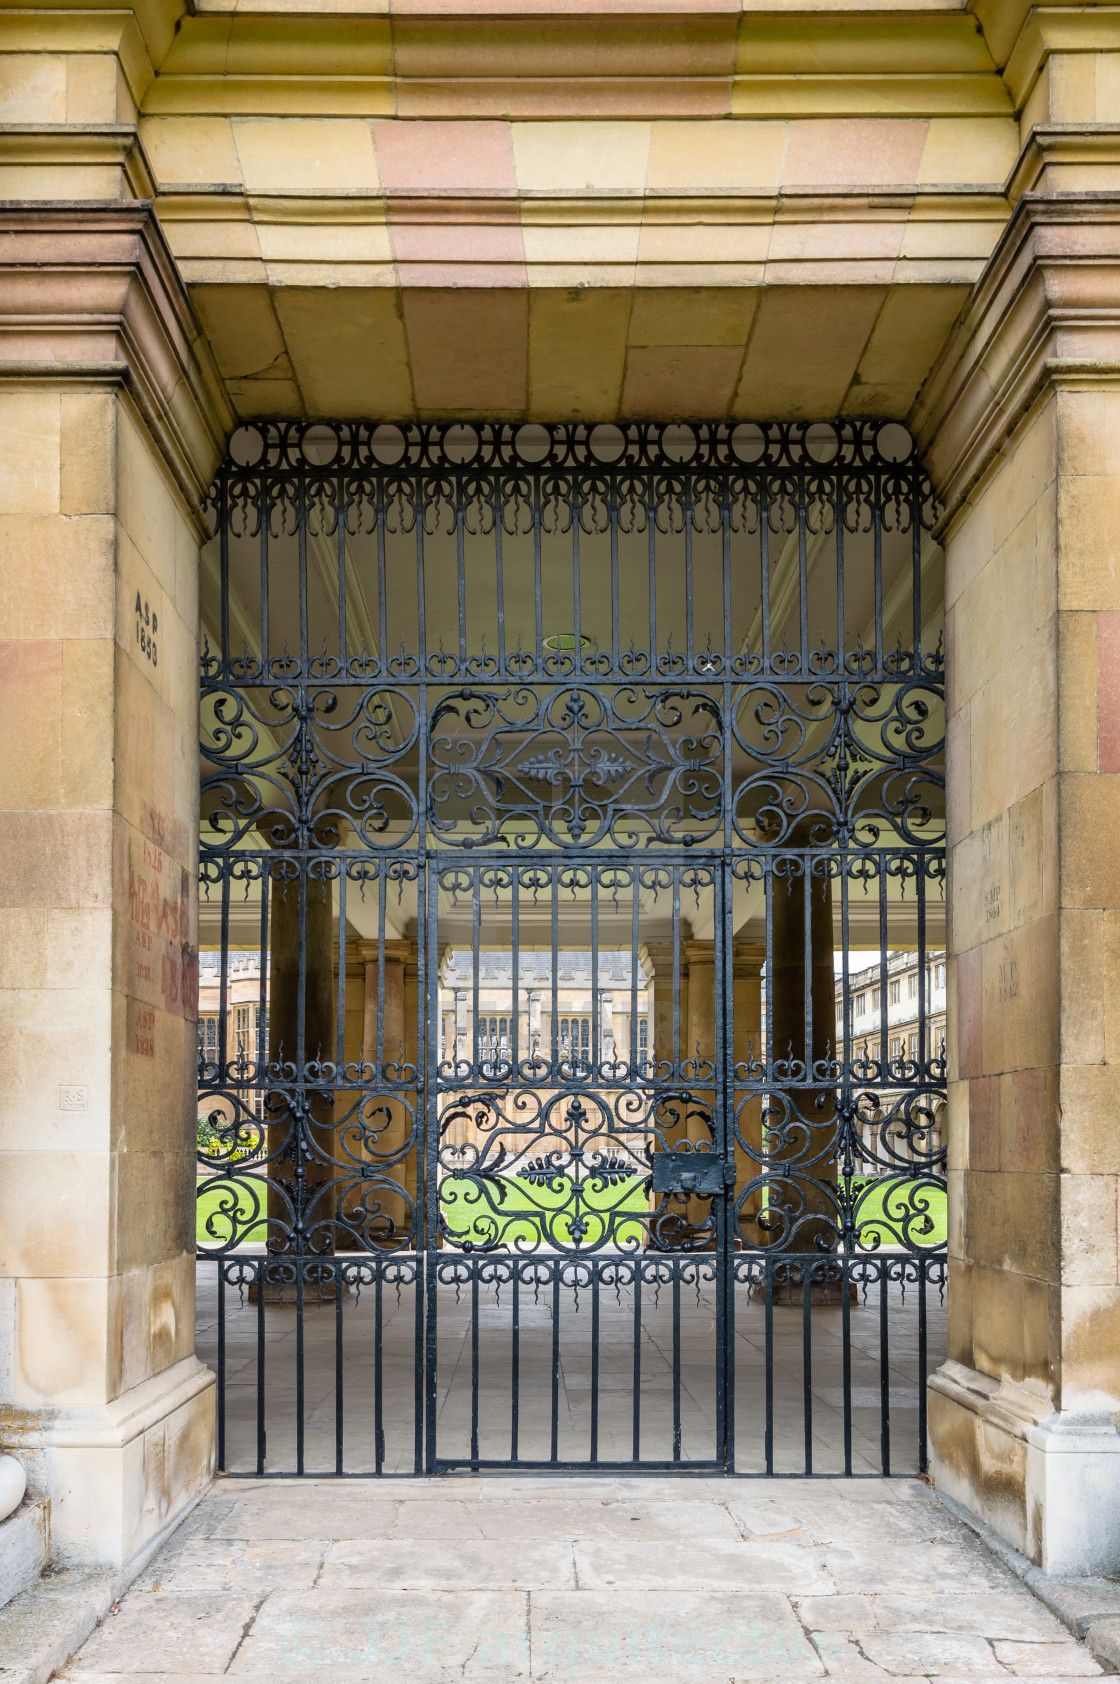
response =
{"points": [[466, 157], [854, 152], [468, 350], [1108, 690]]}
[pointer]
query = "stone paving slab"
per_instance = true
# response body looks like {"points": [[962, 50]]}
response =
{"points": [[621, 1581]]}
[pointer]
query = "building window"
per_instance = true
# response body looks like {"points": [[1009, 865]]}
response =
{"points": [[913, 1046], [208, 1037], [575, 1034], [896, 1046], [861, 1004], [896, 991], [912, 986], [941, 976], [643, 1036], [876, 998]]}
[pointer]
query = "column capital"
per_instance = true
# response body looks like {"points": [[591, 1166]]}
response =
{"points": [[656, 958], [747, 957], [1045, 314], [90, 296]]}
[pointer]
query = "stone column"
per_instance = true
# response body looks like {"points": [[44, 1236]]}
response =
{"points": [[112, 425], [800, 981], [1020, 424], [463, 1043], [302, 1220], [658, 960], [399, 1129], [747, 959], [606, 1028]]}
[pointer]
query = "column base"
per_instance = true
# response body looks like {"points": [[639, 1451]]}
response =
{"points": [[1047, 1481], [118, 1474]]}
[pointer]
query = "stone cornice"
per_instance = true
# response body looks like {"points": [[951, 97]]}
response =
{"points": [[690, 58], [1045, 313], [69, 146], [89, 292], [1067, 158]]}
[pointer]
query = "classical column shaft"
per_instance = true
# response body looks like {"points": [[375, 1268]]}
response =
{"points": [[803, 1020], [302, 1033], [390, 1043], [747, 1049]]}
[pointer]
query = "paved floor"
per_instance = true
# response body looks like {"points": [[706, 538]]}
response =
{"points": [[882, 1347], [637, 1581]]}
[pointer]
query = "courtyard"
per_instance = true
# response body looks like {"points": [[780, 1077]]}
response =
{"points": [[686, 1582]]}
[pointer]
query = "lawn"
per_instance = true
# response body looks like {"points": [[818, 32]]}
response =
{"points": [[513, 1209]]}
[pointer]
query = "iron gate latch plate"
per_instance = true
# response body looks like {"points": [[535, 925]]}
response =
{"points": [[688, 1172]]}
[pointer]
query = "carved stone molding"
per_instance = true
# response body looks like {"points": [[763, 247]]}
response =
{"points": [[90, 294], [1045, 313]]}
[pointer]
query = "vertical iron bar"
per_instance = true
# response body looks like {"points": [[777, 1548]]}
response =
{"points": [[300, 1375], [877, 528], [378, 1369], [340, 534], [461, 574], [846, 1335], [338, 1422], [803, 573], [499, 576], [614, 575], [263, 517], [676, 1360], [884, 1368], [554, 883], [474, 1364], [923, 1448], [651, 530], [223, 565], [382, 605], [427, 1264], [221, 1367], [596, 1000], [554, 1454], [262, 1272], [768, 1266], [538, 626], [807, 1358], [595, 1361], [637, 1400], [689, 630], [515, 977], [515, 1362]]}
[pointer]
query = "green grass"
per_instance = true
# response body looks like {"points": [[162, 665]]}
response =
{"points": [[512, 1209], [881, 1210], [212, 1203]]}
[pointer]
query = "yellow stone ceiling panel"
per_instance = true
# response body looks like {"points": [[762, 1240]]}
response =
{"points": [[577, 349], [804, 347], [576, 353], [346, 346]]}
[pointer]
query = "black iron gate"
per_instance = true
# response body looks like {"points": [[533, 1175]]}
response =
{"points": [[571, 974]]}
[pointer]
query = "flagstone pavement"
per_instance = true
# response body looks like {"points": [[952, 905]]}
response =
{"points": [[647, 1581]]}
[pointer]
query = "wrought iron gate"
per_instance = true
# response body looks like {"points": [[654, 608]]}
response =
{"points": [[555, 780]]}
